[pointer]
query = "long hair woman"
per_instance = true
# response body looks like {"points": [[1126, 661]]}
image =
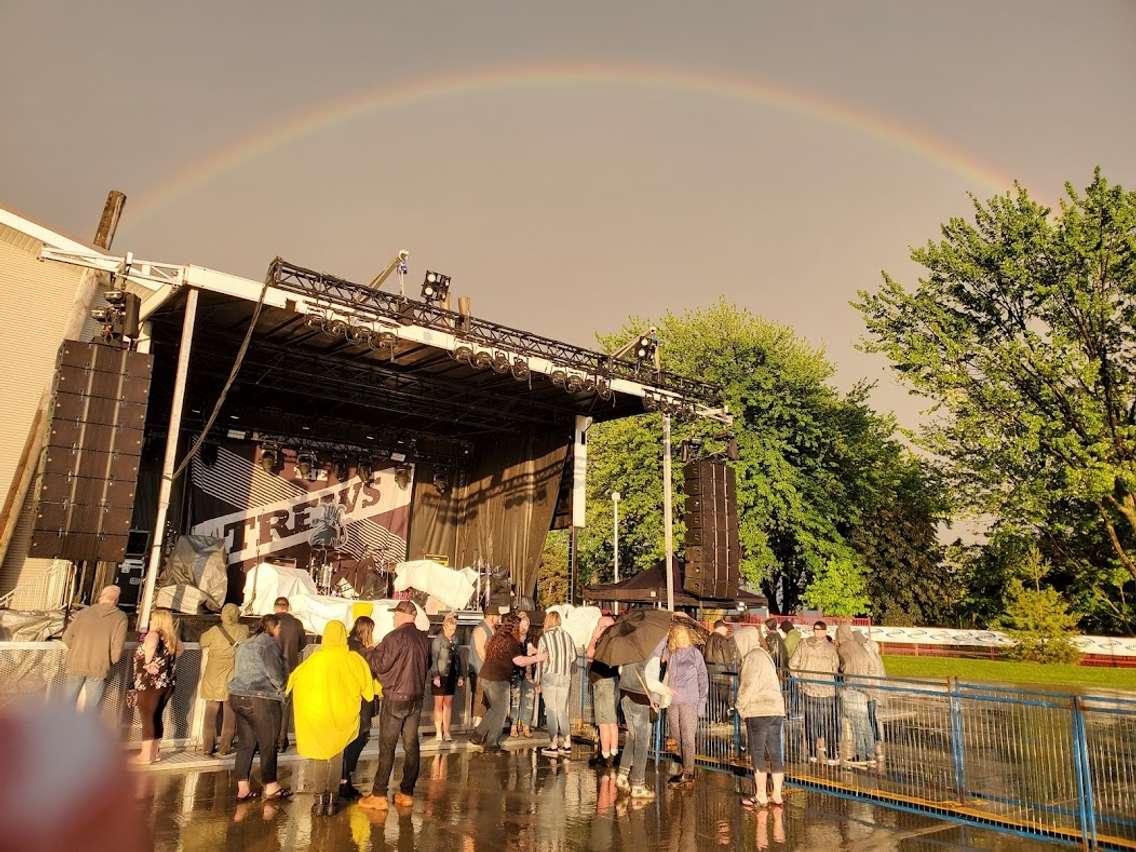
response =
{"points": [[155, 676], [690, 685], [326, 689], [362, 642], [522, 688], [446, 674], [256, 692], [503, 653]]}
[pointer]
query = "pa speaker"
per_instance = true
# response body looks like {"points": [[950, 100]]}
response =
{"points": [[712, 550]]}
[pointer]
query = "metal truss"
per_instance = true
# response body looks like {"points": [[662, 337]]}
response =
{"points": [[146, 273], [376, 304]]}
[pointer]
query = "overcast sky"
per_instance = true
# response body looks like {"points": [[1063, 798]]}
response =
{"points": [[571, 163]]}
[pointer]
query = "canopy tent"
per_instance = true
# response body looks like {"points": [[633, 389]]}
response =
{"points": [[650, 587]]}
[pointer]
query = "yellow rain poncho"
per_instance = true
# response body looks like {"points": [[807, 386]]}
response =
{"points": [[326, 691]]}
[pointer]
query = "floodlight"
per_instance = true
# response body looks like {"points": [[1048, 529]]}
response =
{"points": [[435, 287]]}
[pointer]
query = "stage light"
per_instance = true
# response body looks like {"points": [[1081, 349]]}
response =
{"points": [[209, 453], [441, 482], [464, 354], [102, 314], [398, 456], [650, 403], [306, 464], [603, 388], [646, 347], [269, 457], [575, 382], [435, 287], [114, 297], [590, 384], [402, 476], [500, 363], [385, 340], [482, 360], [520, 369], [337, 328], [342, 470], [366, 469], [559, 378]]}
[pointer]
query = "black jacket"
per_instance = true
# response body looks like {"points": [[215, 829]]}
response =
{"points": [[292, 639], [400, 661]]}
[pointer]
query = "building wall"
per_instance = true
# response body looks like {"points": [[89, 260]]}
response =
{"points": [[35, 303]]}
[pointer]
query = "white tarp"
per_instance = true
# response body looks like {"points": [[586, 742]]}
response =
{"points": [[266, 582], [453, 588], [579, 621]]}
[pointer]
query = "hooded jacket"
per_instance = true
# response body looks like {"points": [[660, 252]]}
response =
{"points": [[94, 640], [326, 689], [858, 659], [220, 641], [815, 661], [258, 669], [759, 687]]}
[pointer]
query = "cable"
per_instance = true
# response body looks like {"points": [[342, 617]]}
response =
{"points": [[196, 448]]}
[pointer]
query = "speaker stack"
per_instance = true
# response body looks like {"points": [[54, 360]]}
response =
{"points": [[90, 470], [713, 553]]}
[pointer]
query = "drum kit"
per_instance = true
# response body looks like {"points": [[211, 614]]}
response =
{"points": [[340, 573]]}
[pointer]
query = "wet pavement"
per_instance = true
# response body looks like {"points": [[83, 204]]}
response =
{"points": [[467, 801]]}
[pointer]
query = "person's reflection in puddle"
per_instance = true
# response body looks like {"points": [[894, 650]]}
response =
{"points": [[765, 816]]}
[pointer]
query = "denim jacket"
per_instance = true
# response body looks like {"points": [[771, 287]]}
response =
{"points": [[258, 670]]}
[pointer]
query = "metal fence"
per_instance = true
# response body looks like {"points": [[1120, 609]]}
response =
{"points": [[1028, 761]]}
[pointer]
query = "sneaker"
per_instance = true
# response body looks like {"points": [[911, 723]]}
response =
{"points": [[641, 792], [565, 749], [349, 792], [550, 751], [374, 803], [676, 780], [623, 783], [403, 800]]}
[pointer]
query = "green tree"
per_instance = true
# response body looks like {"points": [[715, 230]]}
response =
{"points": [[1022, 331], [1039, 622], [813, 463], [552, 579], [839, 587]]}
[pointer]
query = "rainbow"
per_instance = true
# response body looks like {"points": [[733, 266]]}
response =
{"points": [[347, 107]]}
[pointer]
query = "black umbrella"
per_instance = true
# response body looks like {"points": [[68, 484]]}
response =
{"points": [[635, 636]]}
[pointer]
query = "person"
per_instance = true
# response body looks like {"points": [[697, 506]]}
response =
{"points": [[722, 661], [790, 636], [521, 688], [856, 664], [815, 664], [480, 637], [503, 653], [641, 694], [155, 676], [690, 687], [603, 680], [256, 693], [401, 660], [775, 645], [761, 705], [292, 639], [326, 689], [446, 675], [875, 696], [361, 641], [220, 641], [94, 639], [554, 676]]}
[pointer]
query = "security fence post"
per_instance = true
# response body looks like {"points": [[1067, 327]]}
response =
{"points": [[957, 739], [1086, 807]]}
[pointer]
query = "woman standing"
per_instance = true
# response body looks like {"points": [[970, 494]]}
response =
{"points": [[155, 676], [503, 653], [362, 642], [326, 689], [446, 674], [690, 684], [522, 687], [603, 680], [220, 641], [555, 679], [761, 704], [256, 692]]}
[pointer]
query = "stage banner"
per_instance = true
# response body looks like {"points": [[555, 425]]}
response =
{"points": [[275, 510]]}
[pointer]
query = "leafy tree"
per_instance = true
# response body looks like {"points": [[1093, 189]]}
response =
{"points": [[552, 579], [1023, 333], [839, 587], [1039, 621], [813, 463]]}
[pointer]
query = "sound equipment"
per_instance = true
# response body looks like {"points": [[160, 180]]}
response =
{"points": [[132, 571], [90, 467], [713, 553]]}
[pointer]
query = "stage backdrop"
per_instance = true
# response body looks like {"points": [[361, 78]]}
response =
{"points": [[282, 514]]}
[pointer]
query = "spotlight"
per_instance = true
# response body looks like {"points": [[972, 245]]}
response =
{"points": [[114, 297], [650, 402], [520, 369], [402, 476], [360, 334], [645, 348], [384, 340], [575, 383], [366, 469], [590, 384], [342, 469], [441, 481], [559, 378], [102, 314], [337, 328], [209, 454], [464, 354], [269, 457], [435, 287], [482, 360], [603, 388], [306, 463], [500, 362]]}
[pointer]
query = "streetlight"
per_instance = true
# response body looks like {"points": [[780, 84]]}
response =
{"points": [[615, 541]]}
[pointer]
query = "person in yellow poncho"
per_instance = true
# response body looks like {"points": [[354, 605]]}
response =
{"points": [[326, 690]]}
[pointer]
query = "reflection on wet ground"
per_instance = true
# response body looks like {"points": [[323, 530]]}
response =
{"points": [[522, 801]]}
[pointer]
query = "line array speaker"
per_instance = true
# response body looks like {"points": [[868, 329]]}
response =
{"points": [[713, 553], [90, 465]]}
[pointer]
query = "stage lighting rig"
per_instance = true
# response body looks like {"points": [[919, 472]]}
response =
{"points": [[520, 369], [500, 363], [306, 465], [482, 360], [269, 457], [559, 378], [463, 354], [120, 319], [435, 287], [342, 469], [646, 348], [442, 481], [402, 476]]}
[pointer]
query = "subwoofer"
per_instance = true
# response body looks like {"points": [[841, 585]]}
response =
{"points": [[712, 550]]}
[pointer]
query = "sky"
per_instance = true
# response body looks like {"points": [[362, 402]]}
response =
{"points": [[568, 164]]}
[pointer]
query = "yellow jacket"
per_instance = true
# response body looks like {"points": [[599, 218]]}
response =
{"points": [[326, 691]]}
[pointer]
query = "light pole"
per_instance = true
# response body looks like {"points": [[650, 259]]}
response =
{"points": [[615, 542]]}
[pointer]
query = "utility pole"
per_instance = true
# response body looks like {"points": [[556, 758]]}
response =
{"points": [[668, 521], [615, 542]]}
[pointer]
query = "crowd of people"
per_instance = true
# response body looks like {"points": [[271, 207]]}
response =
{"points": [[258, 684]]}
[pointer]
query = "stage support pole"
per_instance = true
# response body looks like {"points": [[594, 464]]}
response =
{"points": [[170, 460], [615, 543], [668, 523], [572, 565]]}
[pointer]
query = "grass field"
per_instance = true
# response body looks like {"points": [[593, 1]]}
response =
{"points": [[1052, 676]]}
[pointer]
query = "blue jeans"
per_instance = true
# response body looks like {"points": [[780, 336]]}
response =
{"points": [[555, 691], [92, 687], [489, 731], [633, 761], [855, 706], [521, 693]]}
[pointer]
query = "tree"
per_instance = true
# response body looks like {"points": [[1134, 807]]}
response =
{"points": [[839, 587], [552, 579], [813, 463], [1023, 333], [1039, 622]]}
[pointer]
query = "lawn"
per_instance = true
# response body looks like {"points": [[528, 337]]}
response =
{"points": [[1054, 676]]}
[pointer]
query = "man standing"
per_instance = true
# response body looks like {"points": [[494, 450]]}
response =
{"points": [[400, 661], [481, 635], [814, 666], [292, 640], [94, 641], [790, 637], [775, 645]]}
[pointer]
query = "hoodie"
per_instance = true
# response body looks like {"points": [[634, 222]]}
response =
{"points": [[94, 640], [326, 689], [759, 687], [220, 643]]}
